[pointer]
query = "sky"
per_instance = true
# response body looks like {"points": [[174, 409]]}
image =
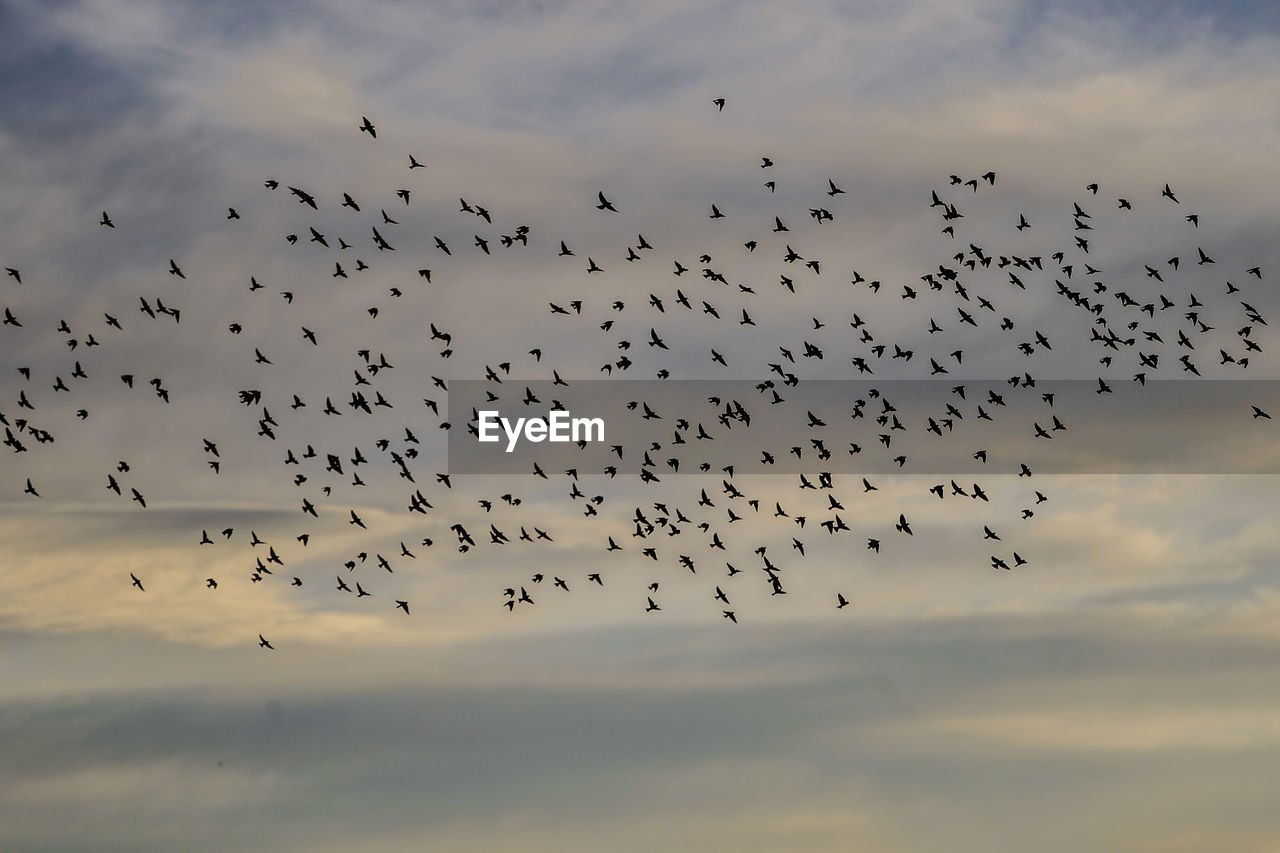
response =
{"points": [[1114, 693]]}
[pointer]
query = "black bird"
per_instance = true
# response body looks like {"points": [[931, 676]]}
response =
{"points": [[304, 197]]}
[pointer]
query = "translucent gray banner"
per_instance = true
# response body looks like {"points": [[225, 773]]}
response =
{"points": [[667, 428]]}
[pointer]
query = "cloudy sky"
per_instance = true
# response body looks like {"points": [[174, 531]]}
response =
{"points": [[1115, 693]]}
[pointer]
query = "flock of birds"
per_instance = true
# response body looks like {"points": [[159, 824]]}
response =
{"points": [[689, 524]]}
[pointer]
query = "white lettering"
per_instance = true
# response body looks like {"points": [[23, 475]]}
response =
{"points": [[488, 421], [558, 426], [512, 434], [587, 424]]}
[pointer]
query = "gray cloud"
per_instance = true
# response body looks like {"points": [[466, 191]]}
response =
{"points": [[1110, 695]]}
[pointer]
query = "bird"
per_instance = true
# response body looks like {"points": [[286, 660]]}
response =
{"points": [[304, 197], [382, 455]]}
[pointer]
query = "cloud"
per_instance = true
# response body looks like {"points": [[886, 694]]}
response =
{"points": [[1154, 730], [1121, 676], [1040, 708]]}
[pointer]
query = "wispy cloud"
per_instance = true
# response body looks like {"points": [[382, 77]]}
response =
{"points": [[1121, 676]]}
